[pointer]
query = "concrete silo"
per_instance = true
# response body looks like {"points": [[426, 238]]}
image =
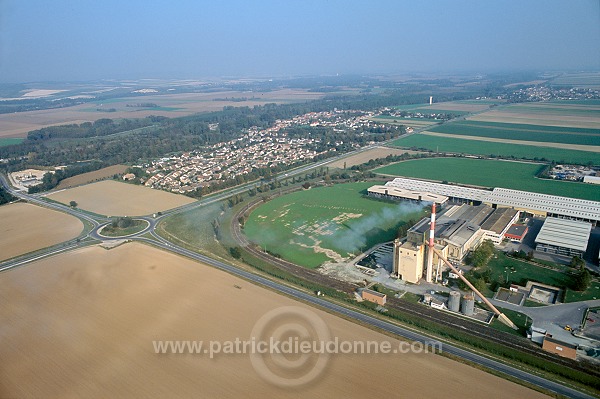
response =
{"points": [[468, 304], [454, 301]]}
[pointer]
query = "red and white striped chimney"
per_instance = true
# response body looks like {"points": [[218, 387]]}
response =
{"points": [[429, 270]]}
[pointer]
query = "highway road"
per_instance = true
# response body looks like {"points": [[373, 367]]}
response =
{"points": [[99, 222]]}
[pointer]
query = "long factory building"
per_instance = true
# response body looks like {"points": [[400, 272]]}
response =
{"points": [[538, 204]]}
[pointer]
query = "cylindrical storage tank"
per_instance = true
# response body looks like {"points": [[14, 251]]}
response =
{"points": [[468, 304], [454, 301]]}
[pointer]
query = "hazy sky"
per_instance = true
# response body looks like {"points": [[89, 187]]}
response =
{"points": [[82, 39]]}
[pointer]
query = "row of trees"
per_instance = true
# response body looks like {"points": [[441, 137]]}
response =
{"points": [[5, 196], [51, 180], [72, 143]]}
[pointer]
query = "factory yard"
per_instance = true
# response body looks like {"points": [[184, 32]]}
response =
{"points": [[27, 228], [82, 324], [113, 198]]}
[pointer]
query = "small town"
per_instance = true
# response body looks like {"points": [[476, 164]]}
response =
{"points": [[255, 149]]}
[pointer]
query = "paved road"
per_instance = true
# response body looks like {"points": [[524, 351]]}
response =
{"points": [[392, 328], [160, 242]]}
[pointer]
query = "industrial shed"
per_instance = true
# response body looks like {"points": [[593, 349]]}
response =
{"points": [[563, 237]]}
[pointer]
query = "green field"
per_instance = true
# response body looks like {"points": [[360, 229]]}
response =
{"points": [[476, 147], [510, 131], [564, 109], [490, 173], [322, 224], [415, 122], [10, 141]]}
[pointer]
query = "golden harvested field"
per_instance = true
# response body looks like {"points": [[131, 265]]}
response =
{"points": [[365, 156], [113, 198], [170, 105], [27, 228], [89, 177], [82, 324]]}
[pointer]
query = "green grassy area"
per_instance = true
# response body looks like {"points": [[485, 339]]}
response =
{"points": [[489, 173], [4, 141], [591, 293], [194, 228], [486, 148], [521, 321], [137, 226], [510, 131], [403, 121], [519, 272], [322, 224]]}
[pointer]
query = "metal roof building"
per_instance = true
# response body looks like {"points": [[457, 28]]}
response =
{"points": [[544, 204], [400, 193], [553, 205], [438, 188], [563, 237]]}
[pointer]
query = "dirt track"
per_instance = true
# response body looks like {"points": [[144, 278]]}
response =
{"points": [[82, 324]]}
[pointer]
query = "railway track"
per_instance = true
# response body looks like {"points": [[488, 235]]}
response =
{"points": [[459, 324]]}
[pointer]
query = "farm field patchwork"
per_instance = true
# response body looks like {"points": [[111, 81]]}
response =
{"points": [[558, 113], [490, 173], [83, 324], [471, 145], [323, 224], [412, 122], [454, 107], [513, 131], [170, 105], [113, 198], [26, 228]]}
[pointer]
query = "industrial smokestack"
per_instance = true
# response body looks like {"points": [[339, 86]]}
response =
{"points": [[430, 249], [430, 100]]}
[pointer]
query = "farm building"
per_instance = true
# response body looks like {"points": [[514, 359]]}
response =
{"points": [[516, 232], [534, 203], [373, 296], [563, 237]]}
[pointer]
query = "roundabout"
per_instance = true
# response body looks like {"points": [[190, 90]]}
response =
{"points": [[123, 228]]}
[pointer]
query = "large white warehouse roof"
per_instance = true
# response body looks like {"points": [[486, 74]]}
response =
{"points": [[552, 204], [565, 233]]}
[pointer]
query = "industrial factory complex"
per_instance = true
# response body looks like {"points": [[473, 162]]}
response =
{"points": [[473, 215], [534, 203]]}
